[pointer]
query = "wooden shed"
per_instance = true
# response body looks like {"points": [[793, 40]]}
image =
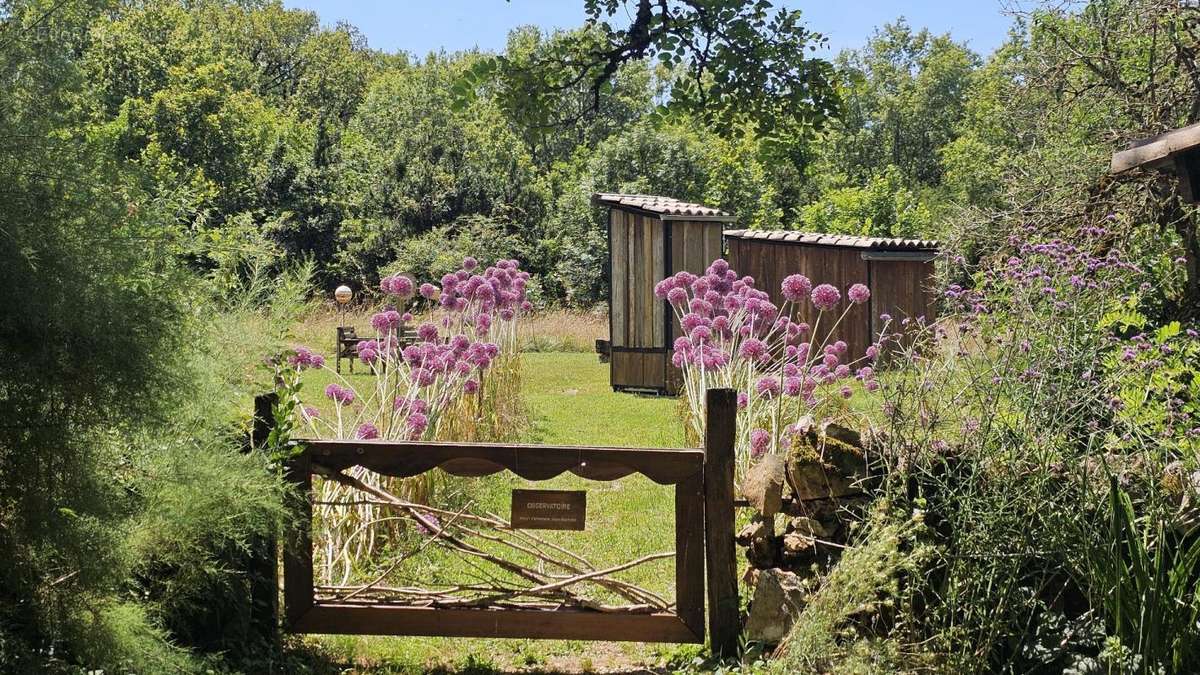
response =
{"points": [[898, 272], [649, 238]]}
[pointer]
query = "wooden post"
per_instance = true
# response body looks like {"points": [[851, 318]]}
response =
{"points": [[262, 558], [724, 619]]}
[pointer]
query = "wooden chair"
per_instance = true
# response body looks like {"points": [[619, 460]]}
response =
{"points": [[347, 347]]}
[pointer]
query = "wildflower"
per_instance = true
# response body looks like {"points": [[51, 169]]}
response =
{"points": [[753, 349], [743, 400], [677, 296], [417, 423], [310, 412], [339, 394], [366, 431], [400, 286], [792, 386], [825, 297], [760, 440], [470, 263], [427, 332], [767, 387], [858, 294], [428, 290], [795, 287]]}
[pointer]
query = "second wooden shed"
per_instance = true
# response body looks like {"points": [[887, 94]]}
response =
{"points": [[898, 271], [650, 238]]}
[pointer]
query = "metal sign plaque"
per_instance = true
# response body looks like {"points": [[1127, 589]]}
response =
{"points": [[549, 509]]}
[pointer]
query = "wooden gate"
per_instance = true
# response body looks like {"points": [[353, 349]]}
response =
{"points": [[703, 485]]}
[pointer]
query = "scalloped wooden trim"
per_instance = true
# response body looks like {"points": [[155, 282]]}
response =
{"points": [[402, 459]]}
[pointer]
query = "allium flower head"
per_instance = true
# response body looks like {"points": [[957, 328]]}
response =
{"points": [[428, 291], [743, 400], [339, 394], [825, 297], [470, 263], [677, 296], [753, 349], [858, 294], [366, 431], [767, 387], [417, 423], [760, 440], [427, 332], [796, 287], [471, 386]]}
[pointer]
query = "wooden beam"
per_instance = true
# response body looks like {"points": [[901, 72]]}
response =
{"points": [[562, 624], [1157, 151], [532, 462], [297, 547], [724, 618]]}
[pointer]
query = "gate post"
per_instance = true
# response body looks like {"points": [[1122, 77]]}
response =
{"points": [[720, 426], [263, 569]]}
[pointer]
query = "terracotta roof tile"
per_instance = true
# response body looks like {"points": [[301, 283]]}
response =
{"points": [[843, 240], [664, 206]]}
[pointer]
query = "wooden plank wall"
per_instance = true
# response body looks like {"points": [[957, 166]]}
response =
{"points": [[770, 262], [694, 245], [902, 288], [638, 318]]}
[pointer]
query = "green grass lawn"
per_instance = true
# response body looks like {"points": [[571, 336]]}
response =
{"points": [[570, 402]]}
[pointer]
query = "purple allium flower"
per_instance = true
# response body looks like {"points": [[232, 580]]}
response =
{"points": [[753, 349], [366, 432], [471, 386], [792, 385], [417, 423], [796, 287], [743, 400], [339, 394], [846, 392], [470, 263], [885, 317], [858, 294], [677, 296], [400, 286], [719, 267], [760, 440], [427, 332], [873, 352], [662, 288], [310, 412], [825, 297], [767, 387], [428, 291], [830, 360]]}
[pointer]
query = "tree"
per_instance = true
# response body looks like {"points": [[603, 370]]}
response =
{"points": [[731, 63]]}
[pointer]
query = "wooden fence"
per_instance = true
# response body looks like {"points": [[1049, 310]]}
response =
{"points": [[704, 537]]}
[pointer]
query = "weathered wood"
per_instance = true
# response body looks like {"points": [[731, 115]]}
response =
{"points": [[619, 279], [532, 462], [723, 606], [1156, 151], [689, 552], [263, 552], [563, 624], [684, 468], [297, 549]]}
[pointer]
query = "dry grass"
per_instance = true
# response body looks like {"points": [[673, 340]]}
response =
{"points": [[548, 331], [563, 331]]}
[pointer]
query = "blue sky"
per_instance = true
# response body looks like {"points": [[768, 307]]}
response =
{"points": [[420, 26]]}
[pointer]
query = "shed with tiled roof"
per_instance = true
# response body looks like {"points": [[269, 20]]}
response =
{"points": [[649, 238], [899, 273]]}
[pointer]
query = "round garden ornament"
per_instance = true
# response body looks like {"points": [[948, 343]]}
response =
{"points": [[343, 294]]}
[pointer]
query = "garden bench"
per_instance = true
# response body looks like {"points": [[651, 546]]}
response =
{"points": [[348, 339]]}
